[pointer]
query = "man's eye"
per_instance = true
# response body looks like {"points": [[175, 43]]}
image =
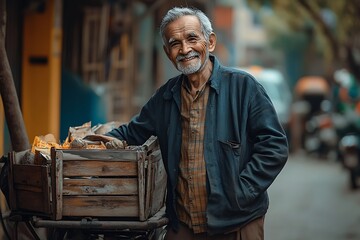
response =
{"points": [[174, 44], [192, 40]]}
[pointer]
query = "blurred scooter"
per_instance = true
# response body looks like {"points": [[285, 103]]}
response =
{"points": [[350, 149], [320, 135]]}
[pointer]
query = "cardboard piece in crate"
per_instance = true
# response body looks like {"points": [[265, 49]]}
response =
{"points": [[129, 183]]}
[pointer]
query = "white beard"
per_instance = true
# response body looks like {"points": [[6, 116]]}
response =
{"points": [[193, 67]]}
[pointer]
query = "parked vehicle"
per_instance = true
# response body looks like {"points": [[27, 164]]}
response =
{"points": [[320, 135], [347, 96], [313, 90], [350, 155], [313, 93]]}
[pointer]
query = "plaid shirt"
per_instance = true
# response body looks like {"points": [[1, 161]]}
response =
{"points": [[192, 200]]}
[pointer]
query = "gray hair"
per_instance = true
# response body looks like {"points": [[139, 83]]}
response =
{"points": [[177, 12]]}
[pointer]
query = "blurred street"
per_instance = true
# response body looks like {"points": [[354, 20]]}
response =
{"points": [[311, 200]]}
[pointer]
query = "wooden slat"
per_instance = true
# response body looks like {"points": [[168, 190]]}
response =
{"points": [[151, 175], [93, 168], [57, 183], [156, 183], [96, 154], [31, 201], [141, 187], [28, 174], [45, 179], [159, 183], [99, 186], [149, 186], [105, 206]]}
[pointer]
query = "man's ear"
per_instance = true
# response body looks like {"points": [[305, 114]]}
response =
{"points": [[212, 42]]}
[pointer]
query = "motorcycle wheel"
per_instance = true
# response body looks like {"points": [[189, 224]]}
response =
{"points": [[353, 179]]}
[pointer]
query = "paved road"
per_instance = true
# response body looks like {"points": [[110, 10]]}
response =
{"points": [[311, 200]]}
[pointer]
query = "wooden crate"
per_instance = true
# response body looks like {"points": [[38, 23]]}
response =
{"points": [[127, 183], [29, 186]]}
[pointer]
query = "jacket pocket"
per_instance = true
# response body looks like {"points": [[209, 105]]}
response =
{"points": [[229, 155], [228, 162], [231, 147], [231, 163]]}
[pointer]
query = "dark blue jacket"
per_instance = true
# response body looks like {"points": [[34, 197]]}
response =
{"points": [[245, 145]]}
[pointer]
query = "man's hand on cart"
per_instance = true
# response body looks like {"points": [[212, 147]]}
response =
{"points": [[115, 144], [110, 142]]}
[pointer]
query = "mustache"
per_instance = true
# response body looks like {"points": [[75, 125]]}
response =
{"points": [[189, 55]]}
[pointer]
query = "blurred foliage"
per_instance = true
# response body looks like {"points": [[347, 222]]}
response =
{"points": [[333, 25]]}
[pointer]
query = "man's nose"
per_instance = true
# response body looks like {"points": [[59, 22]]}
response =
{"points": [[185, 47]]}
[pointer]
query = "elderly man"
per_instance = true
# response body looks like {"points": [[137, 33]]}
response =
{"points": [[220, 138]]}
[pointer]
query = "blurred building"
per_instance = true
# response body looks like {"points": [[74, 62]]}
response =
{"points": [[100, 60], [106, 50]]}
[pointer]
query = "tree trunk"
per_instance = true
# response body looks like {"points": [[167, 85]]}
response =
{"points": [[13, 115], [317, 18]]}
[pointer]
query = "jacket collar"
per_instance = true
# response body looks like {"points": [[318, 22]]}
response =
{"points": [[215, 77]]}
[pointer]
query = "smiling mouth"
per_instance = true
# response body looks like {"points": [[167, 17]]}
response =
{"points": [[186, 59]]}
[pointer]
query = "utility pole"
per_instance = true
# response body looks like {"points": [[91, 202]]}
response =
{"points": [[13, 115]]}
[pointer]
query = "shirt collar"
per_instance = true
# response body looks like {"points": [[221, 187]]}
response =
{"points": [[214, 77]]}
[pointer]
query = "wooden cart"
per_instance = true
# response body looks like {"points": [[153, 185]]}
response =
{"points": [[91, 189]]}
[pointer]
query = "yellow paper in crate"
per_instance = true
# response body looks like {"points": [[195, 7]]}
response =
{"points": [[79, 137], [45, 142]]}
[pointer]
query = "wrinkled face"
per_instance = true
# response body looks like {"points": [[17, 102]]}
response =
{"points": [[186, 46]]}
